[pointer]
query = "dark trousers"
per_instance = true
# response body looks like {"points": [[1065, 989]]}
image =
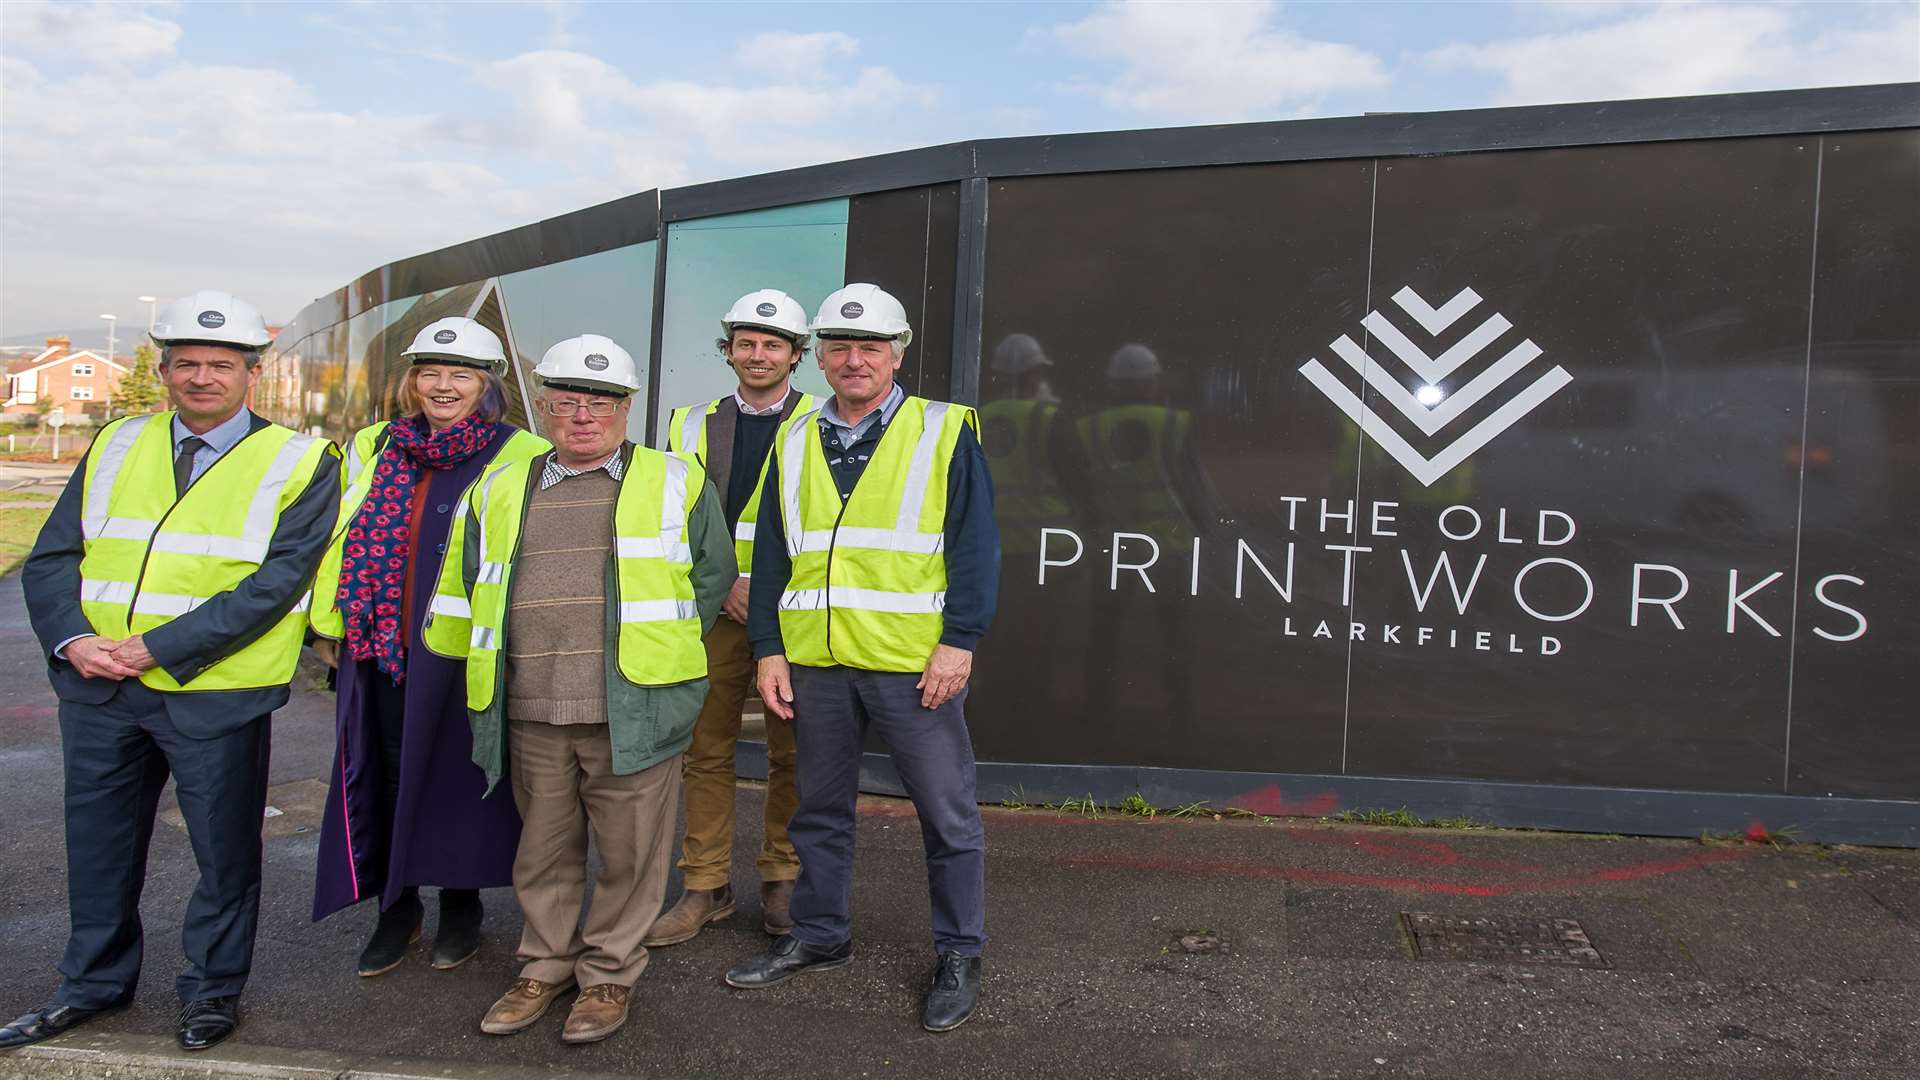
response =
{"points": [[933, 754], [118, 756], [388, 701]]}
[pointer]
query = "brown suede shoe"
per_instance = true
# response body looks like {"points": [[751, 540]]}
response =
{"points": [[697, 908], [597, 1013], [775, 898], [521, 1006]]}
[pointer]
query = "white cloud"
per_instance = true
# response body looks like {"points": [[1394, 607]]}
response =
{"points": [[139, 171], [1697, 49], [105, 33], [1194, 62], [795, 50]]}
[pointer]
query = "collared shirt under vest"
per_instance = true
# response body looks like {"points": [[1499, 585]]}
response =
{"points": [[706, 432], [150, 557], [669, 571]]}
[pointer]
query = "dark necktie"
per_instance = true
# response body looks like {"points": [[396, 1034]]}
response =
{"points": [[183, 463]]}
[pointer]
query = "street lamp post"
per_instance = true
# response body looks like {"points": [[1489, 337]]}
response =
{"points": [[152, 303], [112, 321]]}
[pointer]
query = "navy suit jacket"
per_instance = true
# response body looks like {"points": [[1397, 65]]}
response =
{"points": [[194, 642]]}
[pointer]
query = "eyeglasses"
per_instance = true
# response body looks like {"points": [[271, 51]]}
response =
{"points": [[602, 408]]}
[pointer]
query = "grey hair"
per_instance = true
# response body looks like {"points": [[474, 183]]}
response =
{"points": [[251, 356]]}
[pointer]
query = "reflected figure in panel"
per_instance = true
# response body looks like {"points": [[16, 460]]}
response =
{"points": [[577, 587], [405, 806], [765, 337], [1029, 442], [876, 565], [1141, 477], [168, 590]]}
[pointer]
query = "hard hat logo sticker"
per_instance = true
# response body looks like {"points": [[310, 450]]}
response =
{"points": [[445, 337], [212, 320], [852, 310], [766, 311], [595, 362]]}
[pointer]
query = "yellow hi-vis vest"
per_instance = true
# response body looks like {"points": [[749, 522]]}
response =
{"points": [[687, 433], [149, 558], [356, 482], [1017, 435], [660, 639], [870, 574]]}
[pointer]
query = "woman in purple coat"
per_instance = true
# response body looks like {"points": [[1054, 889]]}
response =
{"points": [[406, 806]]}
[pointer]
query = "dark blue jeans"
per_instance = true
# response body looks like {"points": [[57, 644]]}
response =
{"points": [[118, 756], [932, 752]]}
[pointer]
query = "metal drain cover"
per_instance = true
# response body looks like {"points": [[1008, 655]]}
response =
{"points": [[1500, 940]]}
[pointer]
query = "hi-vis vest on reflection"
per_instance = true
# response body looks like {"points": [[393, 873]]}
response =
{"points": [[149, 558], [659, 622], [687, 433], [870, 575], [356, 482]]}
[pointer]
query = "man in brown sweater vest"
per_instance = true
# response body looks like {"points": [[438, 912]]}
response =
{"points": [[613, 560]]}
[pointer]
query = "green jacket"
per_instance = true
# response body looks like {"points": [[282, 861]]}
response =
{"points": [[648, 724]]}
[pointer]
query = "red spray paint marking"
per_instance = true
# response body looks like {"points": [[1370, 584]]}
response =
{"points": [[1271, 802], [1634, 872], [1408, 849]]}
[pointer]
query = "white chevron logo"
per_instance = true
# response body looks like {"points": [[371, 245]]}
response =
{"points": [[1434, 407]]}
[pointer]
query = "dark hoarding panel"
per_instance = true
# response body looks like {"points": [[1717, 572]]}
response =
{"points": [[1138, 395], [1583, 371], [1856, 669], [903, 241]]}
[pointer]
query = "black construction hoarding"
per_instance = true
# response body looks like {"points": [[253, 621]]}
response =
{"points": [[1553, 466]]}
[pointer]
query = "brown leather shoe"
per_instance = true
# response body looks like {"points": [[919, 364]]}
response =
{"points": [[697, 908], [597, 1013], [775, 898], [522, 1006]]}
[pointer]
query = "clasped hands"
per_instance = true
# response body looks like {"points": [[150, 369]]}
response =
{"points": [[99, 657]]}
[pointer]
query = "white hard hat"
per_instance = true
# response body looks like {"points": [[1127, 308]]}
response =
{"points": [[456, 340], [862, 310], [1133, 362], [209, 317], [589, 362], [1018, 354], [767, 309]]}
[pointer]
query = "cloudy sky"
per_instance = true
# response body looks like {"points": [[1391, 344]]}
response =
{"points": [[283, 149]]}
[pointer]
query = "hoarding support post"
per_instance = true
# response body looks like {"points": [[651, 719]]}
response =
{"points": [[969, 292]]}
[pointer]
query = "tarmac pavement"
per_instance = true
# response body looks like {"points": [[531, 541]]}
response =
{"points": [[1724, 962]]}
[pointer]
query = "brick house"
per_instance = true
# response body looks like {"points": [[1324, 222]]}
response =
{"points": [[79, 382]]}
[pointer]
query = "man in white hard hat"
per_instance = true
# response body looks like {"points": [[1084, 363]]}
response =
{"points": [[764, 337], [585, 580], [169, 589], [876, 563]]}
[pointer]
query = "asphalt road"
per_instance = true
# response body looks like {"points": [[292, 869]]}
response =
{"points": [[1744, 962]]}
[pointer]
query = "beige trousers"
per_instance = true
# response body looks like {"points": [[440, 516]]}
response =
{"points": [[707, 857], [564, 784]]}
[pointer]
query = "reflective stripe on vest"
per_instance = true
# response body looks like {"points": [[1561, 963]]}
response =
{"points": [[357, 483], [658, 619], [869, 574], [688, 427], [150, 558]]}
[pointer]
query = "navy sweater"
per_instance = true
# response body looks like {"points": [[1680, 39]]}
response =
{"points": [[972, 543]]}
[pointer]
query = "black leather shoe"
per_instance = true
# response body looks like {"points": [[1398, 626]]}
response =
{"points": [[789, 956], [458, 937], [46, 1023], [207, 1023], [953, 994], [398, 928]]}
